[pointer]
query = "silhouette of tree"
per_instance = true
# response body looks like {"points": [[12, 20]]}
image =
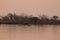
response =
{"points": [[44, 19], [55, 17], [34, 20], [10, 16]]}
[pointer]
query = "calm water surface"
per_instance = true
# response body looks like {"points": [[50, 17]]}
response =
{"points": [[17, 32]]}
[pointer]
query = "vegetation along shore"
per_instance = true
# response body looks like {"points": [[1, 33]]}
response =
{"points": [[29, 20]]}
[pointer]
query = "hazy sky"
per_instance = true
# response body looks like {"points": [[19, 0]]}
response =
{"points": [[30, 7]]}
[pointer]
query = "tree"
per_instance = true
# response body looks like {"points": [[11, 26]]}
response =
{"points": [[34, 20], [10, 15], [55, 17], [44, 18]]}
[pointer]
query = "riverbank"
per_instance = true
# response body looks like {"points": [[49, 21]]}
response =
{"points": [[29, 20]]}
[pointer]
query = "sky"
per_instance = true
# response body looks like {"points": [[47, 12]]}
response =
{"points": [[30, 7]]}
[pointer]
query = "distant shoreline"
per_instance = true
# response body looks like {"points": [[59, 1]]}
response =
{"points": [[29, 20], [27, 24]]}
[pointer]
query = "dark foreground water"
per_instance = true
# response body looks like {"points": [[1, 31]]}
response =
{"points": [[17, 32]]}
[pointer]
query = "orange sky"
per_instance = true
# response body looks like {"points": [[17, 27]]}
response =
{"points": [[31, 7]]}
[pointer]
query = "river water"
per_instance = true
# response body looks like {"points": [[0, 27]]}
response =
{"points": [[18, 32]]}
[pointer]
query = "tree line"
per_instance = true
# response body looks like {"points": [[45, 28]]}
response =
{"points": [[26, 20]]}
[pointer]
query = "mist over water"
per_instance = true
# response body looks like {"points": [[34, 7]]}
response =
{"points": [[18, 32]]}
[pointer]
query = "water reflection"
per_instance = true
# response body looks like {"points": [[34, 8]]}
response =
{"points": [[18, 32]]}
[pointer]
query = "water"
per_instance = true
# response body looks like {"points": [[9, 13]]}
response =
{"points": [[17, 32]]}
